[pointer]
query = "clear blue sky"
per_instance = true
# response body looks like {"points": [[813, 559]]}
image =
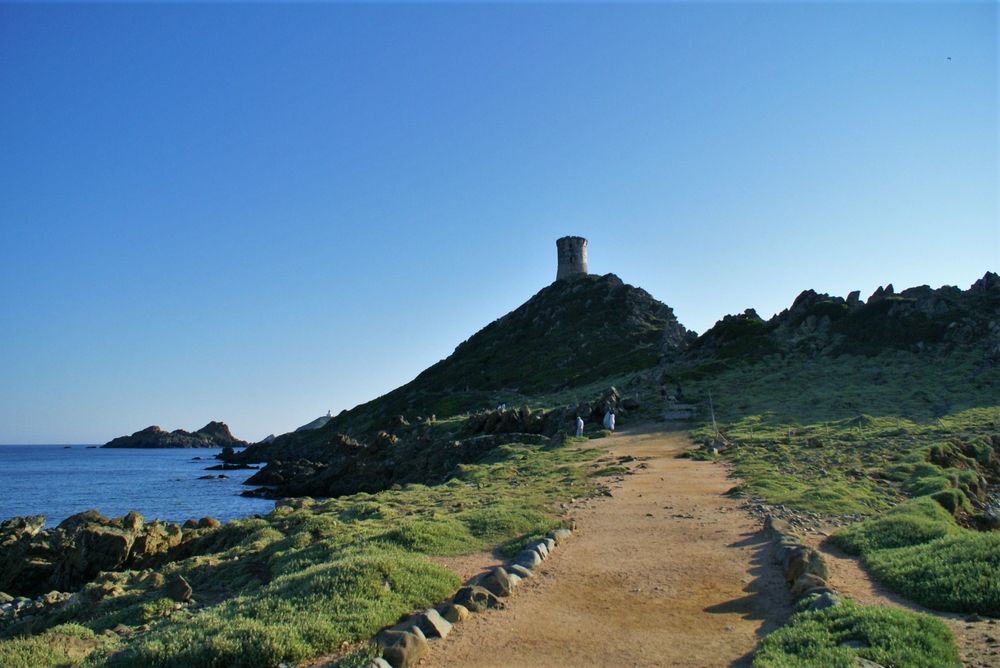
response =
{"points": [[258, 213]]}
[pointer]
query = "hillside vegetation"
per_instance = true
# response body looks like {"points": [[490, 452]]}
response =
{"points": [[882, 416]]}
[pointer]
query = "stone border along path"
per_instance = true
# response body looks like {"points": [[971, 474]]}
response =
{"points": [[664, 571], [405, 644]]}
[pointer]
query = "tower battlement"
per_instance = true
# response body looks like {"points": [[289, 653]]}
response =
{"points": [[572, 253]]}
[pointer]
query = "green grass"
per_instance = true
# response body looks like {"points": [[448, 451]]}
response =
{"points": [[301, 614], [314, 574], [886, 636], [917, 550], [899, 438], [64, 645], [958, 573], [911, 523]]}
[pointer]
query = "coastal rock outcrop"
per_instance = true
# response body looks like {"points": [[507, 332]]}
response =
{"points": [[34, 561], [212, 435], [349, 466]]}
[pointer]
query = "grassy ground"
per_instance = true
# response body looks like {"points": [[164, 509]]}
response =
{"points": [[315, 574], [900, 440], [837, 637], [919, 551], [64, 645]]}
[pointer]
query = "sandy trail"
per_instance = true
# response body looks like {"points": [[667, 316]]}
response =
{"points": [[667, 572]]}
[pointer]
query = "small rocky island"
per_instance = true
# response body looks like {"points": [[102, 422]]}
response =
{"points": [[212, 435]]}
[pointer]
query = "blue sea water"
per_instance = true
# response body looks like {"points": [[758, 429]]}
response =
{"points": [[56, 481]]}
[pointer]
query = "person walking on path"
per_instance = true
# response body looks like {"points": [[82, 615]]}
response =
{"points": [[579, 426], [609, 420]]}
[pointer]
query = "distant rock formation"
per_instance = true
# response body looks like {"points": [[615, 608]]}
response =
{"points": [[212, 435]]}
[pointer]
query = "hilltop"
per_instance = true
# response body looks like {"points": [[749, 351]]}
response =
{"points": [[919, 319], [571, 334]]}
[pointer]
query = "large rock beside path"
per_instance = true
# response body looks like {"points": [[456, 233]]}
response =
{"points": [[498, 582], [433, 624], [476, 599], [403, 649]]}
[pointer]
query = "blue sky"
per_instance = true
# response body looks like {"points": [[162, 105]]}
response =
{"points": [[256, 213]]}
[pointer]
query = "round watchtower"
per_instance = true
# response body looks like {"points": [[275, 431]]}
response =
{"points": [[572, 252]]}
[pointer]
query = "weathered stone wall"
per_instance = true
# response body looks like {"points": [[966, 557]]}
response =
{"points": [[572, 252]]}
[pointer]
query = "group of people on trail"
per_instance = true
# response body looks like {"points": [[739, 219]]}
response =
{"points": [[609, 422]]}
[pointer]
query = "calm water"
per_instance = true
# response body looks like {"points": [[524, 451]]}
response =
{"points": [[57, 482]]}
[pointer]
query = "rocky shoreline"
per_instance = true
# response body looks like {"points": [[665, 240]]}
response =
{"points": [[36, 561]]}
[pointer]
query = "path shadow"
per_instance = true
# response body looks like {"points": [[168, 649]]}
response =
{"points": [[767, 597]]}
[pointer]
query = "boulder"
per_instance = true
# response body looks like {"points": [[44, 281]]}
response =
{"points": [[528, 559], [156, 539], [540, 548], [209, 523], [550, 544], [133, 522], [560, 535], [80, 519], [379, 662], [91, 550], [498, 582], [778, 528], [432, 624], [455, 613], [476, 599], [53, 597], [805, 582], [823, 601], [804, 560], [178, 589], [521, 571], [403, 649]]}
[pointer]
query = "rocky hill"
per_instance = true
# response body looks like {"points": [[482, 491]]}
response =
{"points": [[568, 335], [212, 435], [916, 319], [594, 328]]}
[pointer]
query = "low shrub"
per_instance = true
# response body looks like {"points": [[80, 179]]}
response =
{"points": [[910, 523], [64, 645], [837, 637], [956, 573]]}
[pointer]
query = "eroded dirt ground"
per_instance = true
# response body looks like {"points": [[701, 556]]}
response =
{"points": [[667, 572]]}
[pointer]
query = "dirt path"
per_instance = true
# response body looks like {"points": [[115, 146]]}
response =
{"points": [[978, 642], [667, 572]]}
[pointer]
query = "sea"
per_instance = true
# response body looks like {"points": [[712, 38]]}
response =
{"points": [[58, 481]]}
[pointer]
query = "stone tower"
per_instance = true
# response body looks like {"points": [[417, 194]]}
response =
{"points": [[572, 253]]}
